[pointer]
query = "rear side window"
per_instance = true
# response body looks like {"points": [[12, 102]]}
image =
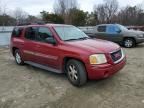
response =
{"points": [[17, 32], [101, 29], [31, 33]]}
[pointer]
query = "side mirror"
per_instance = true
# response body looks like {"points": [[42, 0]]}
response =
{"points": [[118, 31], [51, 40]]}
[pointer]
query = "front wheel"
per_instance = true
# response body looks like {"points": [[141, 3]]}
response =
{"points": [[129, 43], [76, 72], [18, 57]]}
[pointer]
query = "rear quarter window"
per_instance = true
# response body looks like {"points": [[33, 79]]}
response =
{"points": [[101, 29], [17, 32]]}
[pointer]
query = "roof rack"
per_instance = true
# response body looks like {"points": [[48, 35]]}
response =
{"points": [[34, 23]]}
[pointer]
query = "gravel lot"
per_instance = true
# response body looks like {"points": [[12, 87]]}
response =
{"points": [[30, 87]]}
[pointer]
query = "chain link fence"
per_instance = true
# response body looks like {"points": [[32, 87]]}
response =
{"points": [[5, 34]]}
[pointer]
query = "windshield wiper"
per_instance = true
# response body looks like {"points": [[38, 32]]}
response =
{"points": [[70, 39], [84, 38]]}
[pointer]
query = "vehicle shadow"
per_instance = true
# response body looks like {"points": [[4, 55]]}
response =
{"points": [[140, 46], [45, 72], [137, 46], [63, 77]]}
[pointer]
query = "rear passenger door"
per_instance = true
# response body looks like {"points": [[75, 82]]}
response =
{"points": [[101, 32], [30, 44]]}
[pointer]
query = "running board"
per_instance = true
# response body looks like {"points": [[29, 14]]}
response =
{"points": [[43, 67]]}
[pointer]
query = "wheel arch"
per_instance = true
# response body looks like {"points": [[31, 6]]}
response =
{"points": [[66, 59], [133, 38], [13, 50], [129, 37]]}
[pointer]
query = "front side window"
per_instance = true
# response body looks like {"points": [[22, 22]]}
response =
{"points": [[31, 33], [101, 29], [67, 33], [112, 29], [43, 34]]}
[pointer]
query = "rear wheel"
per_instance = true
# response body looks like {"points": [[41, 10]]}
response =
{"points": [[18, 57], [76, 72], [129, 43]]}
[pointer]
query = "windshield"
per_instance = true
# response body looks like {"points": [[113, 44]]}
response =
{"points": [[122, 27], [67, 33]]}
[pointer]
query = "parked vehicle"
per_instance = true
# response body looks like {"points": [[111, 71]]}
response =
{"points": [[117, 33], [66, 49]]}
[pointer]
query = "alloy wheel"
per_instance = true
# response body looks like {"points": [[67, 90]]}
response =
{"points": [[128, 43], [73, 73], [18, 58]]}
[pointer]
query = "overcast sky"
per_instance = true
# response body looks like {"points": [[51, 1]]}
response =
{"points": [[35, 6]]}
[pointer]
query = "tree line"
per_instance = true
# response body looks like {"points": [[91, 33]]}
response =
{"points": [[68, 12]]}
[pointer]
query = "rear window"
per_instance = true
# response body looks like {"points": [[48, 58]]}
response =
{"points": [[17, 32]]}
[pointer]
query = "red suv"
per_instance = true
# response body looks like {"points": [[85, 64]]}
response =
{"points": [[66, 49]]}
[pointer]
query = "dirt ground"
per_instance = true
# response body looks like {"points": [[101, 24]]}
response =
{"points": [[30, 87]]}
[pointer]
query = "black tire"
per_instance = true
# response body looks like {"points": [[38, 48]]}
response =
{"points": [[80, 76], [18, 57], [129, 43]]}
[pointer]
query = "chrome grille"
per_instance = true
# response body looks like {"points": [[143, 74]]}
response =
{"points": [[116, 56]]}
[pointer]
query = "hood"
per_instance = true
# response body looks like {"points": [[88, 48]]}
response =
{"points": [[134, 32], [95, 45]]}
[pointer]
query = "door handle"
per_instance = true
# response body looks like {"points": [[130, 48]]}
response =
{"points": [[22, 44], [38, 46]]}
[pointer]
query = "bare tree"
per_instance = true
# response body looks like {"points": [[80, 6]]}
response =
{"points": [[3, 8], [60, 7], [63, 8], [131, 16], [111, 9], [3, 13], [101, 13], [106, 11], [20, 15]]}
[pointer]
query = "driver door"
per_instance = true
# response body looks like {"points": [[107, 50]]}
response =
{"points": [[47, 54]]}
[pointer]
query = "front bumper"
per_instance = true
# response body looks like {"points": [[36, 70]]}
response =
{"points": [[105, 70], [139, 40]]}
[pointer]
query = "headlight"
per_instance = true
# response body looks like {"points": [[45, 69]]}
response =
{"points": [[97, 59]]}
